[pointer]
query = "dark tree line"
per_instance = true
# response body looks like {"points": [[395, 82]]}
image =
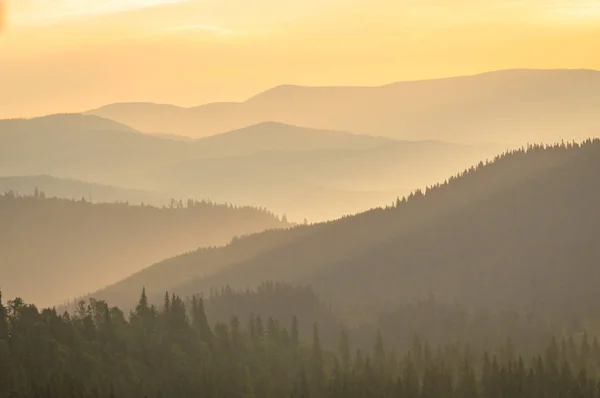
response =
{"points": [[204, 205], [434, 321], [99, 352]]}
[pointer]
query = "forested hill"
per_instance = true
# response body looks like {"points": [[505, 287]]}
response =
{"points": [[177, 350], [514, 233], [52, 249], [75, 189]]}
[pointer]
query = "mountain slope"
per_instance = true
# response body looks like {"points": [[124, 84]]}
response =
{"points": [[517, 233], [75, 189], [510, 106], [83, 147], [317, 174], [322, 184], [91, 148], [53, 249], [271, 136], [54, 124]]}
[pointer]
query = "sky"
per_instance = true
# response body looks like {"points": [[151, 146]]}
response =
{"points": [[75, 55]]}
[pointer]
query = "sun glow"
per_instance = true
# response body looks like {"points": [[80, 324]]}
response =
{"points": [[213, 50]]}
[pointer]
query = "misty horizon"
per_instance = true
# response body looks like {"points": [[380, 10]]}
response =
{"points": [[316, 199], [281, 85]]}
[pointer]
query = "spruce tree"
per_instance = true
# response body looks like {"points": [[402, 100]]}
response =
{"points": [[317, 370], [344, 351], [200, 321], [295, 334]]}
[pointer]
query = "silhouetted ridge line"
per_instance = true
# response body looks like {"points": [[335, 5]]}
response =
{"points": [[508, 106]]}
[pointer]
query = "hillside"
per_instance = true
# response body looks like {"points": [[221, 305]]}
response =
{"points": [[509, 106], [54, 249], [434, 322], [279, 137], [178, 351], [304, 173], [61, 123], [75, 189], [516, 233], [84, 147], [322, 184]]}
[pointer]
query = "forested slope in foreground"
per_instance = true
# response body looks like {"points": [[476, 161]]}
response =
{"points": [[517, 233], [165, 352], [52, 249]]}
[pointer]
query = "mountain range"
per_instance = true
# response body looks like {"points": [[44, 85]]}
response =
{"points": [[516, 233], [305, 173], [456, 239], [513, 107]]}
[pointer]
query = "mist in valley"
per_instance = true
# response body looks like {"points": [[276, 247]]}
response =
{"points": [[304, 213]]}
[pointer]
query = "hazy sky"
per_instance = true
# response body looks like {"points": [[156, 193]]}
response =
{"points": [[71, 55]]}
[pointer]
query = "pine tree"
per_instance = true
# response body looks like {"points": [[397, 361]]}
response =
{"points": [[487, 376], [167, 304], [295, 333], [317, 370], [336, 383], [344, 351], [379, 354], [200, 321], [248, 385], [143, 303], [143, 315], [5, 368], [410, 380], [3, 320], [301, 387], [260, 329], [585, 354]]}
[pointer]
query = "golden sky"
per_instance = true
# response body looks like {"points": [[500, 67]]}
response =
{"points": [[73, 55]]}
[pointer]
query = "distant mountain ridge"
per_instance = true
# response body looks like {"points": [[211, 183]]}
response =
{"points": [[301, 172], [72, 145], [83, 147], [68, 121], [273, 136], [509, 106]]}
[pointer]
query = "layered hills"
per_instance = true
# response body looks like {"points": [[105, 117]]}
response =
{"points": [[305, 173], [515, 233], [507, 106], [53, 249]]}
